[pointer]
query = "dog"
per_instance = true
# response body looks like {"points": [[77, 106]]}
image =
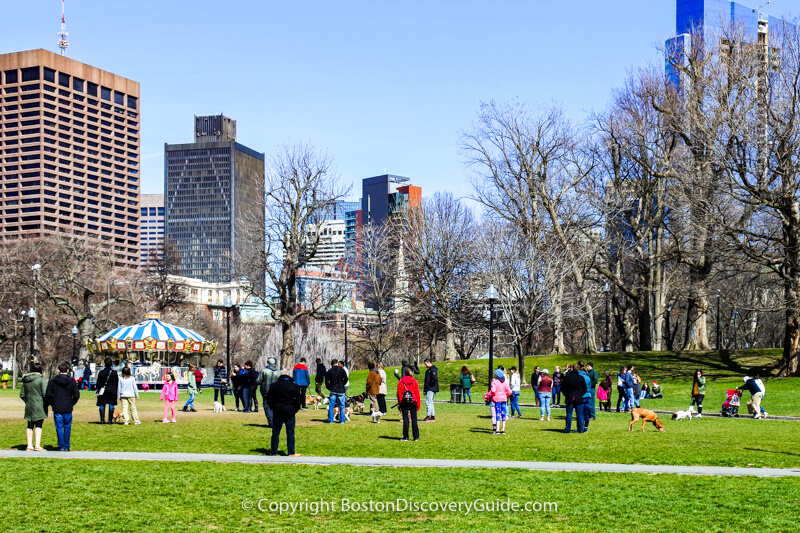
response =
{"points": [[681, 415], [356, 403], [347, 412], [218, 407], [316, 401], [376, 417], [118, 417], [646, 416]]}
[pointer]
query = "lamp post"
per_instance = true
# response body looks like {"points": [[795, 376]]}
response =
{"points": [[74, 345], [719, 331], [735, 328], [491, 296], [35, 268], [228, 306], [16, 341], [32, 316], [345, 312], [607, 346]]}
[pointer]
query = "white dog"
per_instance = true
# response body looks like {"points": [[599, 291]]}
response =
{"points": [[681, 415], [376, 417], [218, 407]]}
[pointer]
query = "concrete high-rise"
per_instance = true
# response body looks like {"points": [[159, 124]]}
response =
{"points": [[211, 188], [69, 156], [151, 228]]}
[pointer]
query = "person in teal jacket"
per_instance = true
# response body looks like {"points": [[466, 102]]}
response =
{"points": [[698, 391], [34, 388], [466, 384]]}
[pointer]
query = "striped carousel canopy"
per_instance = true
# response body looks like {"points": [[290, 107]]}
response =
{"points": [[152, 328]]}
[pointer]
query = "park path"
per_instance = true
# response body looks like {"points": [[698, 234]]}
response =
{"points": [[412, 462]]}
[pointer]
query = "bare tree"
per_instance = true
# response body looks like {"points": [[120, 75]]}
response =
{"points": [[159, 279], [300, 186]]}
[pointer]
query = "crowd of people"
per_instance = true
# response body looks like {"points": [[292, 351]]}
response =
{"points": [[284, 393]]}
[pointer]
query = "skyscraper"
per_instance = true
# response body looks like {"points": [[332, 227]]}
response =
{"points": [[69, 157], [151, 228], [210, 188]]}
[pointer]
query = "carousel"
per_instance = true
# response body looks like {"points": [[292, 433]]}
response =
{"points": [[151, 341]]}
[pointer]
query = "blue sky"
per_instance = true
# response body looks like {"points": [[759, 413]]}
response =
{"points": [[381, 86]]}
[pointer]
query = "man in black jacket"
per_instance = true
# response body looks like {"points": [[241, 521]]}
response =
{"points": [[431, 388], [319, 378], [61, 394], [574, 387], [335, 380], [285, 399]]}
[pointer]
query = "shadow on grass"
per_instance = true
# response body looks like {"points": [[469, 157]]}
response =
{"points": [[387, 437], [772, 451], [257, 425], [481, 430]]}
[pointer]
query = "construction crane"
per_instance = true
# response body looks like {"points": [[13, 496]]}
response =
{"points": [[62, 41]]}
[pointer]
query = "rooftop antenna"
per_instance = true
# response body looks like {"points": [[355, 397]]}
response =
{"points": [[62, 42]]}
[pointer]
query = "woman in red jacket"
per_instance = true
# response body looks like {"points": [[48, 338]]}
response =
{"points": [[408, 401]]}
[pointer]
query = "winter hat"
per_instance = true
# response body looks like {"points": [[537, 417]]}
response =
{"points": [[746, 378], [271, 361], [655, 383], [499, 373], [545, 371], [302, 359]]}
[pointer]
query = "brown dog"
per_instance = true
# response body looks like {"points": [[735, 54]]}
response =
{"points": [[646, 416]]}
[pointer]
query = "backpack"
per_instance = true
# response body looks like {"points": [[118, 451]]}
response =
{"points": [[408, 397]]}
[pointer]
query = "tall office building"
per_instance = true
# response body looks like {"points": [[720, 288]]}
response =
{"points": [[382, 196], [69, 156], [211, 188], [151, 228], [711, 19]]}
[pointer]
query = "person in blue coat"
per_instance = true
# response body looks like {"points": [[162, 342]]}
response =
{"points": [[301, 378], [587, 396]]}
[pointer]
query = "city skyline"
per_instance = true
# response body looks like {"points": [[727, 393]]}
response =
{"points": [[382, 89]]}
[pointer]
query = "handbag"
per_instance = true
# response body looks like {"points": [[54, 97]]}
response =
{"points": [[102, 390]]}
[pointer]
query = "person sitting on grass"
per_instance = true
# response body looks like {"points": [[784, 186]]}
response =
{"points": [[409, 402], [655, 391], [499, 394], [285, 400]]}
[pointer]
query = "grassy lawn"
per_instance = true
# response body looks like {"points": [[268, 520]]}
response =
{"points": [[148, 496]]}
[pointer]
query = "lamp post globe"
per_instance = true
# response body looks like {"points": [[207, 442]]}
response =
{"points": [[228, 303]]}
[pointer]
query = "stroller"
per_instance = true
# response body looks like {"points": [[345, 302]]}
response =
{"points": [[730, 407]]}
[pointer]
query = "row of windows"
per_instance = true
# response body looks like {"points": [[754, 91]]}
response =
{"points": [[152, 211], [47, 74]]}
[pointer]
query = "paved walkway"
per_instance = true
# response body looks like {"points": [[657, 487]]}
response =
{"points": [[424, 463]]}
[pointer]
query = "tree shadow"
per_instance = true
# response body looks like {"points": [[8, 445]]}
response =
{"points": [[771, 451], [481, 430], [257, 426], [387, 437]]}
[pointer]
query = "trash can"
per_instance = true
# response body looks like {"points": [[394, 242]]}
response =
{"points": [[455, 393]]}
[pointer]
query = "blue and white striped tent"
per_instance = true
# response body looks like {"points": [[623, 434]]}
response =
{"points": [[152, 339]]}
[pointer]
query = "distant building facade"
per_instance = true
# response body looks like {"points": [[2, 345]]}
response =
{"points": [[151, 228], [69, 156], [211, 188]]}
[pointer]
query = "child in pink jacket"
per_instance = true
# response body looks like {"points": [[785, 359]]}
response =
{"points": [[499, 394], [169, 393]]}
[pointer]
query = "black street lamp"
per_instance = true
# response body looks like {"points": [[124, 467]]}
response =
{"points": [[607, 347], [491, 296], [32, 316], [74, 345], [345, 312], [14, 361], [719, 331], [228, 307], [735, 328]]}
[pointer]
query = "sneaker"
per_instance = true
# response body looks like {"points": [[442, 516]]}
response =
{"points": [[433, 419], [502, 432], [416, 440], [426, 419], [765, 414], [698, 415], [403, 440], [173, 420], [519, 416], [194, 410], [136, 423], [124, 423], [541, 419], [548, 419], [296, 455], [165, 421]]}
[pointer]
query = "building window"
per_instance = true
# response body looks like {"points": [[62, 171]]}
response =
{"points": [[30, 74], [63, 79], [119, 98], [132, 102], [49, 75], [11, 76], [105, 93], [77, 84], [91, 88]]}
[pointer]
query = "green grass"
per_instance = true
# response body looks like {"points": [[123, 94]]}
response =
{"points": [[52, 495]]}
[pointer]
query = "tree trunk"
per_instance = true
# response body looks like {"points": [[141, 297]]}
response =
{"points": [[697, 316], [287, 346], [643, 318], [591, 330], [791, 288], [449, 341], [558, 321]]}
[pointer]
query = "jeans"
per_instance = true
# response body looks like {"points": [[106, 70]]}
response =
{"points": [[586, 414], [63, 423], [409, 414], [628, 399], [267, 411], [465, 394], [545, 405], [536, 394], [245, 399], [579, 414], [221, 394], [500, 411], [591, 405], [515, 403], [85, 384], [336, 398], [276, 434], [556, 394], [190, 401], [429, 396]]}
